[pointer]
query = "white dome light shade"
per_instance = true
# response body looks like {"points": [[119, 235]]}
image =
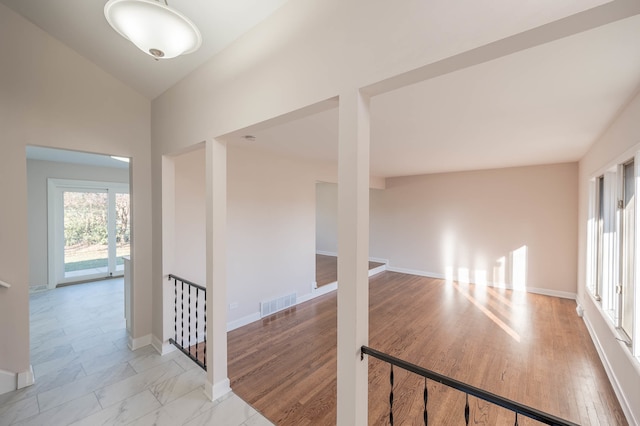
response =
{"points": [[153, 27]]}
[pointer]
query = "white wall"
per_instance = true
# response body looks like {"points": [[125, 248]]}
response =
{"points": [[271, 229], [327, 217], [463, 224], [472, 221], [51, 96], [189, 208], [188, 245], [619, 143], [37, 174]]}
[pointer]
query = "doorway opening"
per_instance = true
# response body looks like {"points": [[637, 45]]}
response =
{"points": [[327, 238], [79, 216], [77, 203]]}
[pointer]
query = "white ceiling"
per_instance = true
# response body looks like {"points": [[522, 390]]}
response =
{"points": [[546, 104], [81, 25], [74, 157], [543, 105]]}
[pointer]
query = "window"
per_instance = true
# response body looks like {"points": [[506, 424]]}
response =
{"points": [[596, 237], [605, 250], [628, 253], [89, 229], [611, 250]]}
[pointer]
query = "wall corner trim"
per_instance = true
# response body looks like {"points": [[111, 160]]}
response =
{"points": [[7, 381], [163, 348], [615, 384], [10, 382], [139, 342], [25, 378], [217, 390]]}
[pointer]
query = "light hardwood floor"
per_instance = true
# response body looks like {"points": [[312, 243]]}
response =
{"points": [[530, 348], [527, 347]]}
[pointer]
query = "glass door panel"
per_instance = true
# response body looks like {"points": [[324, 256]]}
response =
{"points": [[123, 229], [628, 243], [85, 233]]}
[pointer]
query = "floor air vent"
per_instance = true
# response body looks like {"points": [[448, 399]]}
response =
{"points": [[274, 305]]}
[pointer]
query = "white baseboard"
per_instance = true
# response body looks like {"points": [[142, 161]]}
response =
{"points": [[624, 403], [334, 254], [26, 378], [415, 272], [372, 272], [542, 291], [8, 381], [139, 342], [217, 390], [161, 347], [241, 322], [377, 270], [317, 292], [547, 292], [12, 381], [327, 288]]}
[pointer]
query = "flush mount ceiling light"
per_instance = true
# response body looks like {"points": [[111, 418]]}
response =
{"points": [[154, 27]]}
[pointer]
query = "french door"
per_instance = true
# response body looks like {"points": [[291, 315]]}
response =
{"points": [[89, 230]]}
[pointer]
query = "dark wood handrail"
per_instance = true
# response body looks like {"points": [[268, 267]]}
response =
{"points": [[516, 407], [175, 277]]}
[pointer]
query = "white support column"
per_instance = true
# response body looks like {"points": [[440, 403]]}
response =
{"points": [[353, 258], [216, 228]]}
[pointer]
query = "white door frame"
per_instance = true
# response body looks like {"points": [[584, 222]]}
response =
{"points": [[55, 218]]}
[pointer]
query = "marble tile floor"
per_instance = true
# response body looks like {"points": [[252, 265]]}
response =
{"points": [[86, 374], [84, 272]]}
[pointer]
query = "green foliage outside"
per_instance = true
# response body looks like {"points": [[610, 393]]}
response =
{"points": [[85, 229], [82, 265], [85, 219]]}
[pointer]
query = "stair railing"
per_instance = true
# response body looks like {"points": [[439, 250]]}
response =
{"points": [[190, 319], [5, 285], [515, 407]]}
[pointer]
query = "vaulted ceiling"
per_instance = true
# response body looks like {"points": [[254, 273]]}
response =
{"points": [[81, 25], [543, 104], [547, 104]]}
